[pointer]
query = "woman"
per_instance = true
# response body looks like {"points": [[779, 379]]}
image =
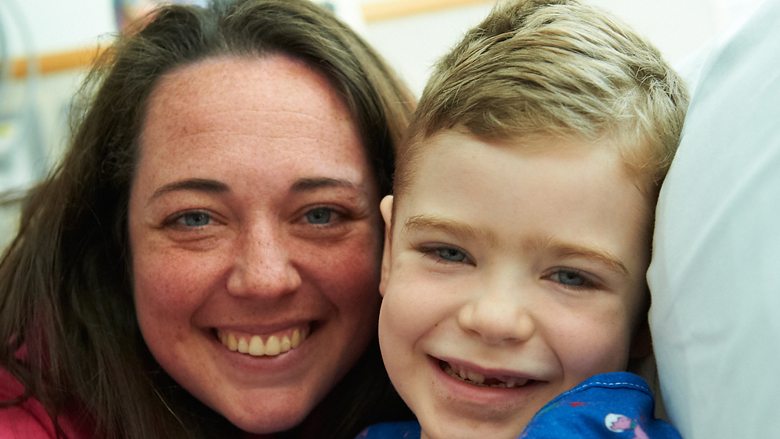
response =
{"points": [[205, 259]]}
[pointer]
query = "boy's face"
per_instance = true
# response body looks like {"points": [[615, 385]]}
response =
{"points": [[513, 274]]}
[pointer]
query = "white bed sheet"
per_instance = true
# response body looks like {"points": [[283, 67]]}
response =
{"points": [[715, 274]]}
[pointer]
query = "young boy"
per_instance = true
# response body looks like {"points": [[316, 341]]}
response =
{"points": [[519, 234]]}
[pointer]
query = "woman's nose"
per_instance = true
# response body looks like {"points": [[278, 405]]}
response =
{"points": [[262, 267], [498, 315]]}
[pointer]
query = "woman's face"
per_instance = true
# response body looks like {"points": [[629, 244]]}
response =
{"points": [[254, 228]]}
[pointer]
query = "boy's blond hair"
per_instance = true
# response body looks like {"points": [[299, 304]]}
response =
{"points": [[560, 68]]}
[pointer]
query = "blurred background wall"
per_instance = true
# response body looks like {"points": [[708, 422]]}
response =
{"points": [[46, 46]]}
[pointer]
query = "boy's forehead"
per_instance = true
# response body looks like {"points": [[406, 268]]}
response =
{"points": [[434, 148], [531, 142]]}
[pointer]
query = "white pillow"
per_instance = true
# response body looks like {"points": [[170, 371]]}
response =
{"points": [[715, 275]]}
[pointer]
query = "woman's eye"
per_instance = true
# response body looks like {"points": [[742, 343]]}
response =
{"points": [[569, 278], [195, 219], [320, 215], [450, 254]]}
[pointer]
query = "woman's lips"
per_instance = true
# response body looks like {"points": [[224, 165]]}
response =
{"points": [[263, 344]]}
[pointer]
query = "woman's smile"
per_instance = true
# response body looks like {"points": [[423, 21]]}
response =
{"points": [[263, 345]]}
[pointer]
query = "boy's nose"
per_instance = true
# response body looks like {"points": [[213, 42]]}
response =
{"points": [[498, 318], [262, 267]]}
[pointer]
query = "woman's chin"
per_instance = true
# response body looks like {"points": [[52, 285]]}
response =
{"points": [[263, 422]]}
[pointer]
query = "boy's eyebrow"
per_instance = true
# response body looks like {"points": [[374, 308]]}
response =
{"points": [[455, 228], [558, 250], [566, 250], [192, 184]]}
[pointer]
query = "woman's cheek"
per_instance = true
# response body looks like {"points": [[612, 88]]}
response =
{"points": [[170, 282]]}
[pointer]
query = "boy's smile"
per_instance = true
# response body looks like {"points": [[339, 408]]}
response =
{"points": [[515, 271]]}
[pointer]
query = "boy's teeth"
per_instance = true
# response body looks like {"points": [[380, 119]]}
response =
{"points": [[521, 383], [256, 347], [477, 379]]}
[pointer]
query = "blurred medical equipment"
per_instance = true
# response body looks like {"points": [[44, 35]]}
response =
{"points": [[126, 11], [22, 154]]}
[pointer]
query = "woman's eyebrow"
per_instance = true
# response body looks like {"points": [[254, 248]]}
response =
{"points": [[308, 184], [192, 184]]}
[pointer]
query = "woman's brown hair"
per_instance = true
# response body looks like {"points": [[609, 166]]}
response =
{"points": [[66, 287]]}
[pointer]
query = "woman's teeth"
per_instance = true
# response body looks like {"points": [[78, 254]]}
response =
{"points": [[255, 346], [502, 382]]}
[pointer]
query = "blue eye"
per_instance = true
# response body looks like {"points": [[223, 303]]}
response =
{"points": [[451, 254], [195, 219], [569, 278], [320, 215]]}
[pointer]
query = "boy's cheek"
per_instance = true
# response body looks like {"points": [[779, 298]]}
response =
{"points": [[413, 303], [399, 329]]}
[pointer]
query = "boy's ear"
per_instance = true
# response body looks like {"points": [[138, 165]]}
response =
{"points": [[386, 207]]}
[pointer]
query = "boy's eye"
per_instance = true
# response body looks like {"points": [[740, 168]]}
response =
{"points": [[195, 219], [451, 254], [570, 278], [319, 215]]}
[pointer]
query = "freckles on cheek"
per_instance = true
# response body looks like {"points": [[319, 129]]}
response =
{"points": [[164, 305], [165, 284], [349, 273]]}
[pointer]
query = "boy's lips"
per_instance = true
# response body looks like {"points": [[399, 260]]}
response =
{"points": [[481, 377]]}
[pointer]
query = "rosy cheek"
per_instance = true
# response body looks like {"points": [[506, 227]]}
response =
{"points": [[164, 283], [354, 284], [603, 350], [338, 266]]}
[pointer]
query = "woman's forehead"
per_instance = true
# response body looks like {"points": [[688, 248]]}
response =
{"points": [[210, 119]]}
